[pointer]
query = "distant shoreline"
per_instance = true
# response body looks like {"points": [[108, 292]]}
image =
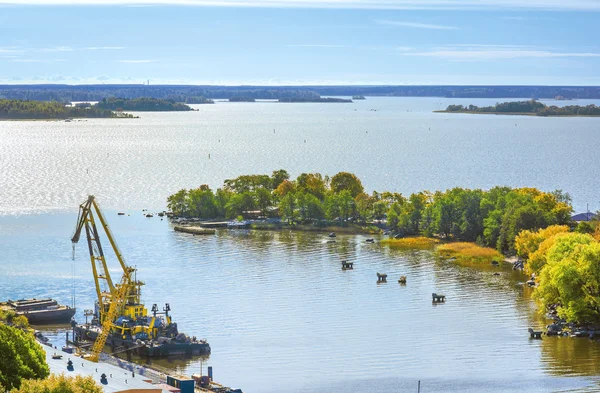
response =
{"points": [[511, 114]]}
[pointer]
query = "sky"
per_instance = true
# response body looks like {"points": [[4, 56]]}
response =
{"points": [[300, 42]]}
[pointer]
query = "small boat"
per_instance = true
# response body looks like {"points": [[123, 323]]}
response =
{"points": [[149, 215], [120, 213], [332, 234]]}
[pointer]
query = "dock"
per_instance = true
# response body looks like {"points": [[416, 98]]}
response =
{"points": [[194, 230], [347, 265], [438, 298]]}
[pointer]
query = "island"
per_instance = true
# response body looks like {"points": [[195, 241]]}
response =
{"points": [[358, 98], [315, 99], [142, 104], [527, 108], [241, 99], [191, 94], [53, 110]]}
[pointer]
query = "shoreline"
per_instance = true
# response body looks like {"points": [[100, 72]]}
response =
{"points": [[511, 114]]}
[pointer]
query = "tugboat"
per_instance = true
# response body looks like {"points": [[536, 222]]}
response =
{"points": [[40, 311], [120, 319]]}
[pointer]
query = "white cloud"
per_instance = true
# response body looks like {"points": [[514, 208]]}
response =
{"points": [[360, 4], [414, 25], [497, 54], [137, 61], [56, 49], [104, 48], [38, 60]]}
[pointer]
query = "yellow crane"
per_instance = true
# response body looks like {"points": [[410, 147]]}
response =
{"points": [[122, 299]]}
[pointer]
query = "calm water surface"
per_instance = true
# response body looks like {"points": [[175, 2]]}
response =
{"points": [[400, 145], [278, 311]]}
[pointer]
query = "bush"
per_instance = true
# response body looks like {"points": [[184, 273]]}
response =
{"points": [[468, 253], [419, 242], [60, 384]]}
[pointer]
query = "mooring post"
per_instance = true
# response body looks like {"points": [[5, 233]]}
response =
{"points": [[419, 387]]}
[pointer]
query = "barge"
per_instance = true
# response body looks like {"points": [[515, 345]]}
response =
{"points": [[40, 311], [167, 340]]}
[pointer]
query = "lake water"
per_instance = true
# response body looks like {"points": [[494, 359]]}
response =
{"points": [[402, 146], [277, 309]]}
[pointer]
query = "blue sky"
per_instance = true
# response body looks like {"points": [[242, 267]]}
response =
{"points": [[283, 42]]}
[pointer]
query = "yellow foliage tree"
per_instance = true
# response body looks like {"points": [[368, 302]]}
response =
{"points": [[528, 243], [570, 278], [59, 384]]}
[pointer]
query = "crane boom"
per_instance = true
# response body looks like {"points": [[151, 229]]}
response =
{"points": [[113, 301]]}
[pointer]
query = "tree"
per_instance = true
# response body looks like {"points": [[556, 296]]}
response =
{"points": [[571, 278], [312, 183], [239, 203], [263, 197], [202, 203], [288, 208], [278, 177], [21, 357], [309, 207], [418, 203], [527, 242], [222, 197], [177, 202], [347, 206], [284, 188], [347, 181], [60, 384]]}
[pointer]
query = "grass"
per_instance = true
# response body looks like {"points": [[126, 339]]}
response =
{"points": [[418, 242], [469, 253]]}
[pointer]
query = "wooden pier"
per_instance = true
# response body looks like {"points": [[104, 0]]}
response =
{"points": [[194, 230], [438, 298], [535, 334]]}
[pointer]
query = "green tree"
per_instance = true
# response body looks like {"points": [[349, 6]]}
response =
{"points": [[263, 199], [288, 208], [418, 203], [239, 203], [310, 208], [21, 357], [222, 198], [278, 177], [177, 202], [347, 181], [202, 203]]}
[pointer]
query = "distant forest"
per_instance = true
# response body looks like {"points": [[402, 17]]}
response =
{"points": [[199, 94], [142, 104], [17, 109], [525, 107]]}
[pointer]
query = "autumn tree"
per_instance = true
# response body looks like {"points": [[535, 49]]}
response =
{"points": [[570, 279], [60, 384], [347, 181]]}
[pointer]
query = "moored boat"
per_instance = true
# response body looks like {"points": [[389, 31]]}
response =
{"points": [[40, 311]]}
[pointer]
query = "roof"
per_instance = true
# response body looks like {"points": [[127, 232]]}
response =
{"points": [[119, 380], [583, 216]]}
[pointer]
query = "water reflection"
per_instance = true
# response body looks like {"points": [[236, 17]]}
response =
{"points": [[281, 315]]}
